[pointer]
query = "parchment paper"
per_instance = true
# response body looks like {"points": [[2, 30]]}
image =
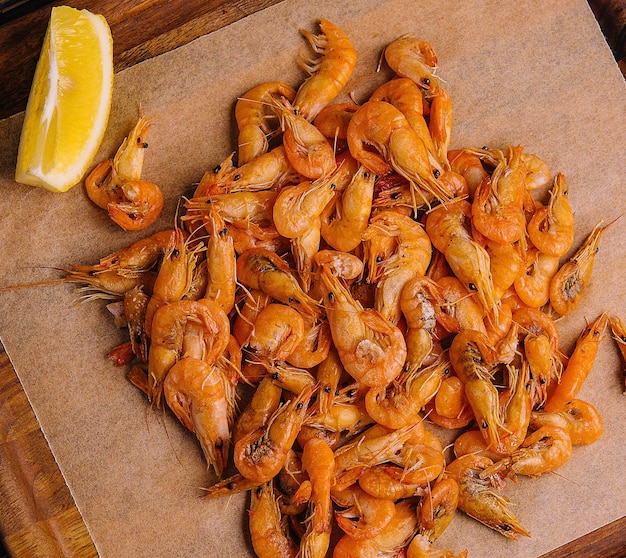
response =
{"points": [[529, 72]]}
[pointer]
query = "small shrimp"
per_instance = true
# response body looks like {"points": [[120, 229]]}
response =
{"points": [[329, 73], [459, 309], [515, 410], [174, 278], [469, 166], [278, 329], [537, 171], [619, 334], [234, 207], [371, 349], [366, 515], [315, 344], [259, 268], [297, 207], [410, 259], [545, 367], [533, 284], [291, 378], [264, 403], [341, 417], [568, 284], [135, 304], [421, 547], [329, 373], [220, 261], [267, 532], [306, 148], [438, 507], [580, 419], [381, 138], [579, 365], [253, 302], [440, 123], [195, 392], [506, 265], [254, 118], [341, 264], [551, 228], [543, 451], [345, 219], [212, 176], [140, 207], [168, 329], [264, 172], [450, 400], [377, 482], [420, 460], [333, 120], [498, 206], [260, 454], [415, 59], [477, 497]]}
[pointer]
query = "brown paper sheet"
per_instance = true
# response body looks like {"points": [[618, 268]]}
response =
{"points": [[530, 72]]}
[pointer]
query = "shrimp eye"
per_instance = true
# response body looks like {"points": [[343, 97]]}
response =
{"points": [[275, 376], [379, 259], [219, 444], [366, 174], [326, 389], [351, 392], [436, 173], [472, 287], [331, 297], [337, 392], [485, 148], [217, 169], [426, 82], [259, 490], [505, 527], [333, 186], [395, 195], [237, 177], [224, 231], [484, 424], [92, 273], [299, 406]]}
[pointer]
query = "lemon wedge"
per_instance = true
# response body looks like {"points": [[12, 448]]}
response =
{"points": [[69, 102]]}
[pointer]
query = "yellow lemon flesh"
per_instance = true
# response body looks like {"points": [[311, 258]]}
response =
{"points": [[69, 102]]}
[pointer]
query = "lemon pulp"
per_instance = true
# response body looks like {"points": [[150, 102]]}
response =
{"points": [[69, 102]]}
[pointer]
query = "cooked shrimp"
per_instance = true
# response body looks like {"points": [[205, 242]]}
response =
{"points": [[195, 392], [329, 73], [264, 403], [440, 123], [421, 547], [254, 118], [278, 329], [381, 127], [306, 148], [580, 419], [477, 497], [568, 284], [314, 347], [533, 284], [267, 532], [377, 482], [260, 454], [296, 207], [262, 269], [469, 166], [135, 304], [506, 263], [537, 171], [371, 349], [345, 219], [140, 207], [579, 365], [498, 206], [544, 365], [366, 515], [619, 334], [438, 507], [333, 120], [168, 329], [551, 228], [413, 58], [517, 403]]}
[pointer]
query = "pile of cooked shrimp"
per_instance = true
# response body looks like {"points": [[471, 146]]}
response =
{"points": [[365, 286]]}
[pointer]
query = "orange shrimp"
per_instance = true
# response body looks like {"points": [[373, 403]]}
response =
{"points": [[366, 515], [506, 264], [421, 547], [264, 403], [278, 329], [537, 171], [440, 123], [377, 482], [345, 219], [415, 59], [381, 138], [545, 366], [580, 419], [140, 207], [517, 403], [306, 148], [498, 206], [371, 349], [195, 392], [333, 120], [568, 284], [168, 331], [438, 507], [260, 454], [329, 73], [533, 284], [268, 534], [478, 497], [619, 334], [254, 118], [259, 268], [469, 166], [579, 365], [551, 228], [410, 259], [135, 304], [315, 344]]}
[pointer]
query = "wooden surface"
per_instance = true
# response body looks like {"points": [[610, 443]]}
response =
{"points": [[38, 516]]}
